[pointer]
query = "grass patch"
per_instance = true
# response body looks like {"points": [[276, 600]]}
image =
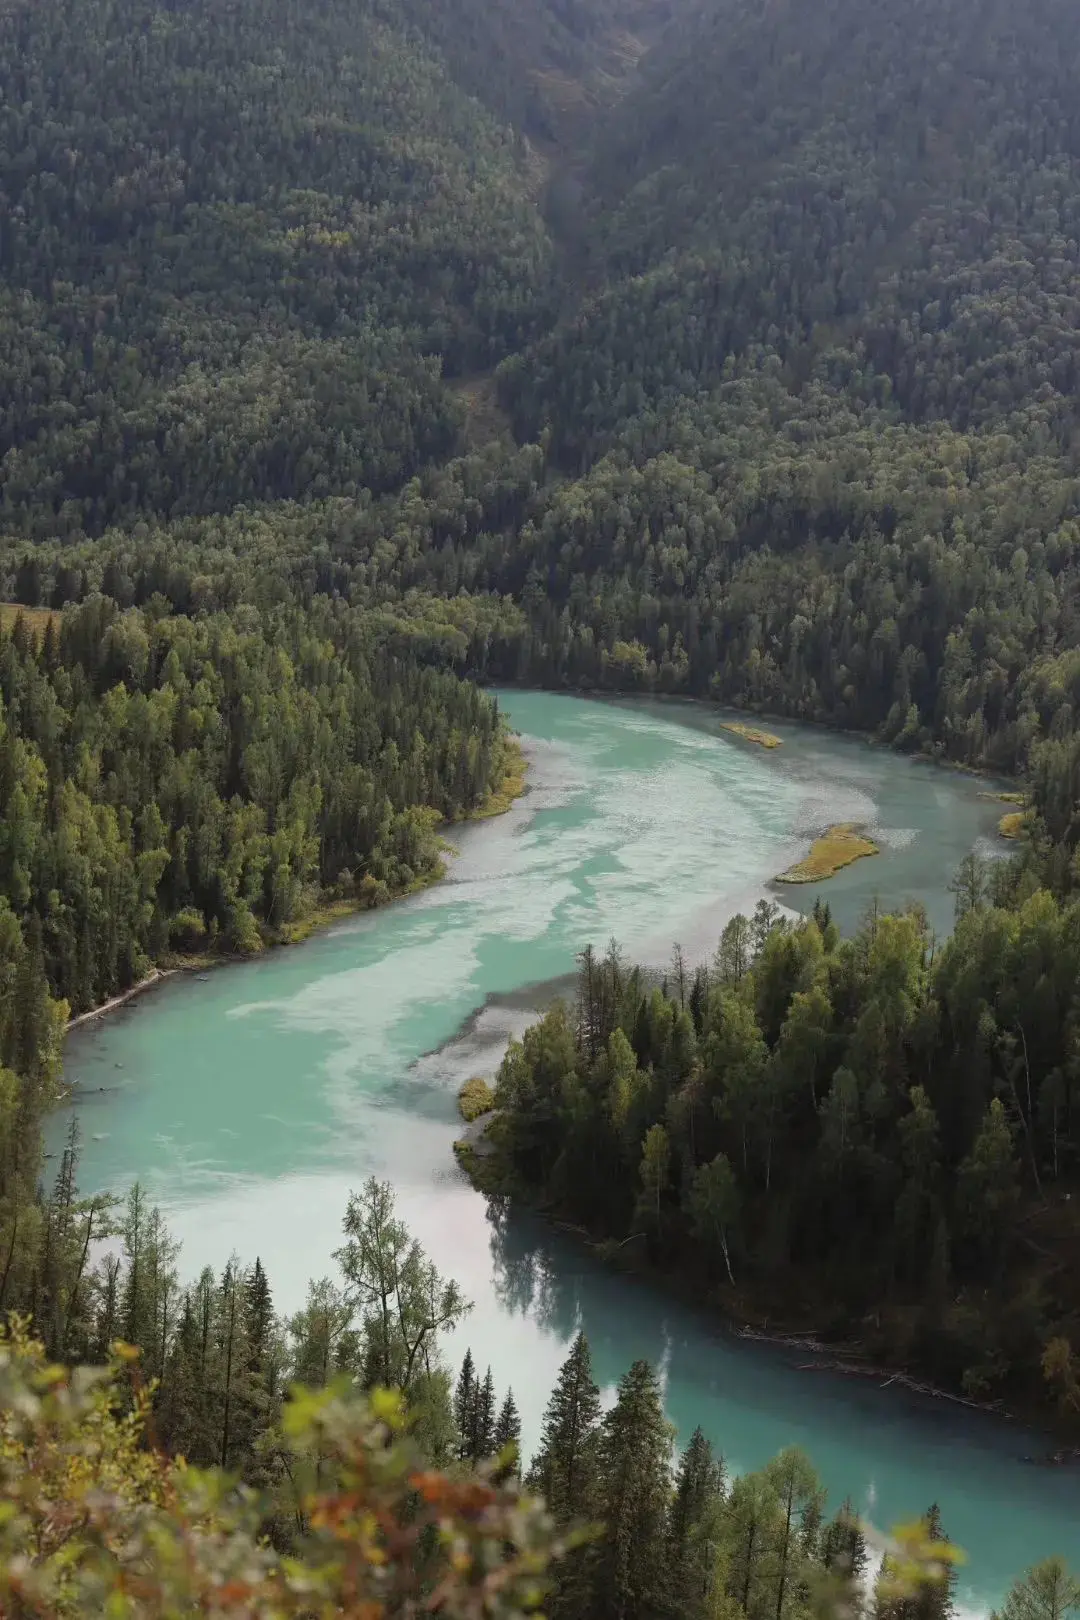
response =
{"points": [[1004, 798], [475, 1099], [35, 619], [751, 734], [1013, 825], [829, 854], [510, 785]]}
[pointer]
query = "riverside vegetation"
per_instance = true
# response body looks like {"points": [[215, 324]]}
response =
{"points": [[349, 358], [873, 1137], [378, 1484]]}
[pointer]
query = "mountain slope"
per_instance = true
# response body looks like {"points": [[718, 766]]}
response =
{"points": [[884, 197], [240, 244]]}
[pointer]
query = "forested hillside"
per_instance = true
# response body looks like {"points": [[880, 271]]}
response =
{"points": [[354, 352], [792, 377], [241, 243]]}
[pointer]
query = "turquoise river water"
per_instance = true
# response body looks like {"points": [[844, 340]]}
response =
{"points": [[250, 1104]]}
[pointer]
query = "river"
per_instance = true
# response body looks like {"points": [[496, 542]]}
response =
{"points": [[250, 1104]]}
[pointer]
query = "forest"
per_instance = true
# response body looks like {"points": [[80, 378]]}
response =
{"points": [[396, 1498], [871, 1139], [354, 356]]}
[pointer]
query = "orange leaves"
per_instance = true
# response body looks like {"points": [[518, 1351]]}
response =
{"points": [[94, 1524]]}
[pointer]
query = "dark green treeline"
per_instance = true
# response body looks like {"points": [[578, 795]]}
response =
{"points": [[876, 1137]]}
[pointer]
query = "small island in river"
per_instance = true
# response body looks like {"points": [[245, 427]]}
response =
{"points": [[751, 734], [829, 854]]}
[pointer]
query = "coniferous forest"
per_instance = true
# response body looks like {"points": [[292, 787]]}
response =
{"points": [[356, 354]]}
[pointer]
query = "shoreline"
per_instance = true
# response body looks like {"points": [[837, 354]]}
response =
{"points": [[767, 716], [512, 785], [153, 978], [477, 1155]]}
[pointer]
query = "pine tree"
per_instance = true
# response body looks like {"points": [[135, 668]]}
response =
{"points": [[564, 1470], [508, 1433], [482, 1432], [933, 1598], [936, 1600], [698, 1494], [259, 1391], [465, 1393], [231, 1354], [843, 1546], [629, 1574]]}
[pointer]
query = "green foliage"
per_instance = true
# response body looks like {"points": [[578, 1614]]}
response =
{"points": [[1049, 1591], [95, 1523], [475, 1099], [238, 241], [854, 1129], [175, 782]]}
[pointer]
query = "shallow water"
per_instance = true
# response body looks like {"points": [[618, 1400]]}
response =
{"points": [[251, 1103]]}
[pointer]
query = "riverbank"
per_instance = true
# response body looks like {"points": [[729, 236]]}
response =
{"points": [[763, 1316], [325, 911], [926, 755], [115, 1002]]}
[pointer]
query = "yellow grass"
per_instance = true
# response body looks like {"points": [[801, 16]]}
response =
{"points": [[35, 618], [1004, 798], [750, 734], [475, 1099], [829, 854], [1013, 825]]}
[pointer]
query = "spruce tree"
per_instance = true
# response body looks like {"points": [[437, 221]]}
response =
{"points": [[698, 1488], [843, 1545], [508, 1433], [936, 1600], [465, 1393], [630, 1569], [564, 1470], [482, 1436]]}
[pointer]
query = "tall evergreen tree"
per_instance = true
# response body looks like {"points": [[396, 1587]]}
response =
{"points": [[508, 1433], [843, 1544], [482, 1432], [630, 1574], [465, 1394], [564, 1469], [692, 1525]]}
